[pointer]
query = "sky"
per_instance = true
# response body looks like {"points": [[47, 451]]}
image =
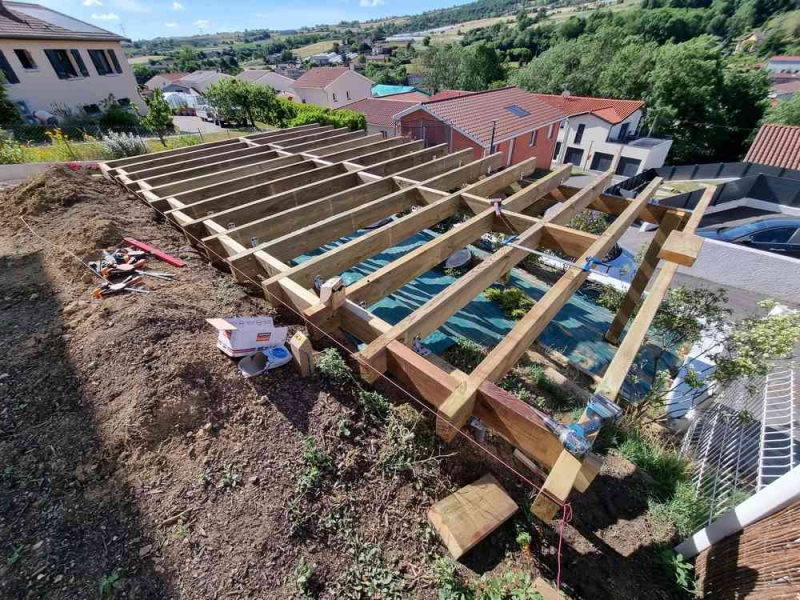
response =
{"points": [[145, 19]]}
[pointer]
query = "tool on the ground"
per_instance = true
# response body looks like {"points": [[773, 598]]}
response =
{"points": [[108, 289], [575, 437], [175, 262]]}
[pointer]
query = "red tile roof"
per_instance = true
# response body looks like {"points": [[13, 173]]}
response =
{"points": [[408, 97], [608, 109], [776, 145], [380, 111], [474, 113], [320, 77], [172, 76], [789, 87], [28, 26], [785, 58], [445, 94]]}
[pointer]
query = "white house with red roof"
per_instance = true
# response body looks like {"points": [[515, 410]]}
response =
{"points": [[507, 120], [330, 87], [602, 133]]}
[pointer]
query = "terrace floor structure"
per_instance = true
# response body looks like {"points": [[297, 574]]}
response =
{"points": [[337, 198]]}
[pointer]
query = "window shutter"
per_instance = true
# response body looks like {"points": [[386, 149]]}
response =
{"points": [[79, 61], [5, 66]]}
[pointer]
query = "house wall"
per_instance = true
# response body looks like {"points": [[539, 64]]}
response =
{"points": [[40, 88], [784, 66], [386, 130], [349, 87], [421, 125], [157, 82], [278, 82]]}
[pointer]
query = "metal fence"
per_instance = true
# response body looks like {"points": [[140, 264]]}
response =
{"points": [[745, 437]]}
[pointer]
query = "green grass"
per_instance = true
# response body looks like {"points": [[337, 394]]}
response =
{"points": [[306, 51]]}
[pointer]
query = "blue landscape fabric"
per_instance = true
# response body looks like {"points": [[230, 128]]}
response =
{"points": [[576, 331]]}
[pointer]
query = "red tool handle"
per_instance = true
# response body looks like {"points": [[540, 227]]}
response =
{"points": [[175, 262]]}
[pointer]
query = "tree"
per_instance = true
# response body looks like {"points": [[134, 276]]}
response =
{"points": [[240, 101], [9, 113], [287, 55], [786, 112], [143, 73], [426, 41], [159, 115], [186, 59], [441, 67]]}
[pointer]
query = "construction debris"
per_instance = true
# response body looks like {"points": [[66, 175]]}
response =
{"points": [[243, 336]]}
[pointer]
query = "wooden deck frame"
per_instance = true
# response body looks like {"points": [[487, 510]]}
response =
{"points": [[323, 184]]}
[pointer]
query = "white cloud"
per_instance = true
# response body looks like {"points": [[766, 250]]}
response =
{"points": [[171, 24], [371, 3], [105, 17], [92, 3], [202, 23], [177, 6], [131, 6]]}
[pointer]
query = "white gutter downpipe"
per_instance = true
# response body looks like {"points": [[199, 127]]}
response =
{"points": [[781, 493]]}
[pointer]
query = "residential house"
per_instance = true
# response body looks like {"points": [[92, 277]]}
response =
{"points": [[278, 82], [160, 81], [51, 60], [379, 113], [331, 87], [443, 94], [195, 83], [784, 64], [600, 134], [508, 120], [326, 58], [777, 146], [749, 42], [780, 92]]}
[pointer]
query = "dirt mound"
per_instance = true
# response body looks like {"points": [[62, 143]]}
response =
{"points": [[57, 186]]}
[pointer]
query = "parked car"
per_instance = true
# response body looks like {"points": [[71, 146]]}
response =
{"points": [[777, 234]]}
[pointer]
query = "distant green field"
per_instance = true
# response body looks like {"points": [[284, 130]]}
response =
{"points": [[306, 51], [142, 60]]}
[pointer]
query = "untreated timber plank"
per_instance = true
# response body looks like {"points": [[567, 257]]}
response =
{"points": [[305, 146], [468, 515]]}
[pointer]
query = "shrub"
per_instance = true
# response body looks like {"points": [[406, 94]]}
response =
{"points": [[332, 366], [116, 117], [11, 152], [514, 302], [120, 145], [293, 114]]}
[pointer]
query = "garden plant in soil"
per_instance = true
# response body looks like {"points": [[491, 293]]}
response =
{"points": [[135, 461]]}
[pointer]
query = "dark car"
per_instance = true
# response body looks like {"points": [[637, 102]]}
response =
{"points": [[774, 234]]}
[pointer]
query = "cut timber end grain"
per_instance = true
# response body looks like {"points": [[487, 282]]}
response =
{"points": [[467, 516]]}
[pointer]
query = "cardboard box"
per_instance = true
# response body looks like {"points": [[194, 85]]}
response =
{"points": [[241, 336]]}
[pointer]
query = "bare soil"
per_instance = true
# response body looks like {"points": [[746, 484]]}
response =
{"points": [[136, 462]]}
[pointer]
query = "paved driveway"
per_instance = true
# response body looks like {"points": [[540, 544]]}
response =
{"points": [[192, 124]]}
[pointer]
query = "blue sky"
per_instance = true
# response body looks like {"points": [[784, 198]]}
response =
{"points": [[143, 19]]}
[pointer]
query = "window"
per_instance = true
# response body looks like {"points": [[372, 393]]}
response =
{"points": [[532, 141], [628, 166], [601, 161], [574, 156], [76, 56], [623, 132], [550, 131], [62, 65], [101, 62], [5, 67], [579, 133], [517, 110], [114, 60], [348, 94], [776, 235], [557, 152], [26, 60], [334, 97]]}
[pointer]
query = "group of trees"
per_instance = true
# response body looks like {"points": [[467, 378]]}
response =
{"points": [[450, 66]]}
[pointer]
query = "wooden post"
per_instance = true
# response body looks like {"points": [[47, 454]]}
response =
{"points": [[303, 354], [642, 278]]}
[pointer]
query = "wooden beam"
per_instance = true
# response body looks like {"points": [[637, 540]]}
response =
{"points": [[571, 242], [614, 205], [354, 151], [296, 146], [401, 163], [529, 195], [323, 133], [200, 166], [354, 144], [383, 154], [457, 409], [508, 176], [560, 481], [472, 171], [435, 167], [441, 307], [682, 248], [641, 279]]}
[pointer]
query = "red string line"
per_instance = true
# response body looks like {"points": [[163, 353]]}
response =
{"points": [[566, 517]]}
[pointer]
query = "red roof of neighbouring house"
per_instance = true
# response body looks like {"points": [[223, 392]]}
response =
{"points": [[407, 97], [515, 111], [608, 109], [320, 77], [790, 87], [380, 111], [776, 145], [172, 76], [785, 58], [445, 94]]}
